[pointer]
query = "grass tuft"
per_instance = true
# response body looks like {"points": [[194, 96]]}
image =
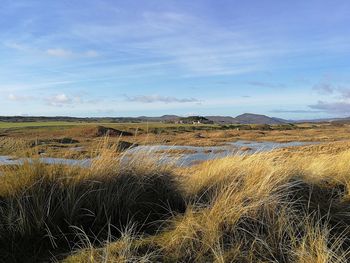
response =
{"points": [[267, 207]]}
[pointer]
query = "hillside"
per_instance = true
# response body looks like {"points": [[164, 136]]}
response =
{"points": [[222, 119], [250, 118], [164, 118]]}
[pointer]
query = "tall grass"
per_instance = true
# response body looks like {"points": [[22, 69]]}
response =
{"points": [[42, 206], [269, 207]]}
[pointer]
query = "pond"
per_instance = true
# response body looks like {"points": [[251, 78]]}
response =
{"points": [[189, 155], [182, 155]]}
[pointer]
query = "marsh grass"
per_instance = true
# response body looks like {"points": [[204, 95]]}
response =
{"points": [[10, 146], [42, 206], [267, 207]]}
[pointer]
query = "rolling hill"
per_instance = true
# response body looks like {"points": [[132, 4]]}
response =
{"points": [[250, 118]]}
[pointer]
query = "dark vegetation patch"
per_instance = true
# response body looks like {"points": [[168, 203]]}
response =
{"points": [[99, 131], [275, 228], [124, 145], [41, 218], [324, 200]]}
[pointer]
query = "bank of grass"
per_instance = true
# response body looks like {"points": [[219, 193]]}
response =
{"points": [[268, 207]]}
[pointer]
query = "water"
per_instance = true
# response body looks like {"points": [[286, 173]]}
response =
{"points": [[7, 160], [268, 146], [198, 154], [190, 156]]}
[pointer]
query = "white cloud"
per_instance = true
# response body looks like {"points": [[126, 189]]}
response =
{"points": [[21, 98], [338, 107], [62, 99], [59, 100], [338, 98], [59, 52]]}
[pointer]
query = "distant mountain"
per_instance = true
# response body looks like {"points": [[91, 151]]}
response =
{"points": [[323, 120], [341, 120], [222, 119], [250, 118], [161, 118], [246, 118]]}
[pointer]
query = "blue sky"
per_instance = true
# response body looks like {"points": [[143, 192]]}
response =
{"points": [[289, 59]]}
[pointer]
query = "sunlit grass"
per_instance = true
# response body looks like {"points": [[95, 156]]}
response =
{"points": [[268, 207]]}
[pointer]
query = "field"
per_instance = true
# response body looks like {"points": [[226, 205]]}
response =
{"points": [[287, 205], [60, 139]]}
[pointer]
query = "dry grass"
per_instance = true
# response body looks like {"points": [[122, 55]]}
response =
{"points": [[42, 206], [271, 207], [51, 140], [174, 134]]}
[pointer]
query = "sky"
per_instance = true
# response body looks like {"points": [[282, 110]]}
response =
{"points": [[94, 58]]}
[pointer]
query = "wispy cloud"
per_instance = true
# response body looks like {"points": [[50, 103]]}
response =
{"points": [[59, 52], [226, 52], [62, 99], [158, 98], [20, 98], [295, 111], [324, 88], [344, 93], [266, 84], [57, 100], [193, 44], [66, 53], [15, 46], [338, 101], [341, 107], [54, 52]]}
